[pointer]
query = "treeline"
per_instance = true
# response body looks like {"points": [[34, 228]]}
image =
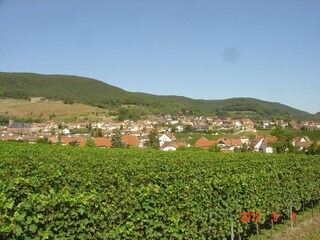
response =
{"points": [[4, 120]]}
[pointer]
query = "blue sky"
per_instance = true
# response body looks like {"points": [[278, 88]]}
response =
{"points": [[202, 49]]}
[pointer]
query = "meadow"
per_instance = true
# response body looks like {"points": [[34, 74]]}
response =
{"points": [[42, 110]]}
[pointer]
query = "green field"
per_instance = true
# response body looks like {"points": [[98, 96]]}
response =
{"points": [[56, 192]]}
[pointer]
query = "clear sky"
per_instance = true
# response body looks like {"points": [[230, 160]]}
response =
{"points": [[204, 49]]}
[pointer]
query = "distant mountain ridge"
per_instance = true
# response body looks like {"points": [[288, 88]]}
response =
{"points": [[97, 93]]}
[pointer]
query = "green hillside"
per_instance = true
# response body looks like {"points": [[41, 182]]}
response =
{"points": [[97, 93], [82, 90], [246, 107]]}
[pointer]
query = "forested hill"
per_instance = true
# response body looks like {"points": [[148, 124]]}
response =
{"points": [[97, 93]]}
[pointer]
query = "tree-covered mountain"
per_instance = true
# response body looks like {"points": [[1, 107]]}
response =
{"points": [[97, 93], [83, 90]]}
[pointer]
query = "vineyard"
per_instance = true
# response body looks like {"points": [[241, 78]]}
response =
{"points": [[56, 192]]}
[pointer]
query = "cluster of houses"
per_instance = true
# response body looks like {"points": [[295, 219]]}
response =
{"points": [[136, 134]]}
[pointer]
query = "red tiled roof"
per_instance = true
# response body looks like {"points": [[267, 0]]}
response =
{"points": [[225, 141], [9, 138], [53, 139], [304, 144], [236, 142], [103, 142], [66, 140], [204, 142], [170, 135], [176, 145], [80, 140], [269, 140], [130, 140]]}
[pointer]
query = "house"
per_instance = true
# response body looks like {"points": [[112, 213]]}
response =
{"points": [[11, 138], [19, 128], [132, 141], [103, 142], [179, 128], [268, 142], [159, 129], [248, 125], [166, 137], [66, 131], [236, 142], [200, 128], [137, 133], [78, 125], [282, 123], [53, 139], [173, 146], [244, 139], [229, 144], [37, 99], [258, 144], [295, 125], [204, 143], [302, 142], [80, 141], [265, 124], [32, 139], [224, 142]]}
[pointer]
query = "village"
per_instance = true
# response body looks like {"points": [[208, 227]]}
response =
{"points": [[230, 135]]}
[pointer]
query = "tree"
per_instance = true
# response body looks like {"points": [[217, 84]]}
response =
{"points": [[284, 140], [243, 148], [89, 126], [59, 139], [44, 140], [182, 148], [74, 143], [90, 143], [314, 149], [188, 129], [173, 129], [214, 148], [97, 132], [68, 101], [123, 114], [153, 140], [116, 139], [51, 116]]}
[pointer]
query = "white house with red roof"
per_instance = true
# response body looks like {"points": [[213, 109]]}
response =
{"points": [[166, 138]]}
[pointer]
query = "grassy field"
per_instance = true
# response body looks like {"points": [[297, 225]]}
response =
{"points": [[27, 109], [307, 230], [306, 227]]}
